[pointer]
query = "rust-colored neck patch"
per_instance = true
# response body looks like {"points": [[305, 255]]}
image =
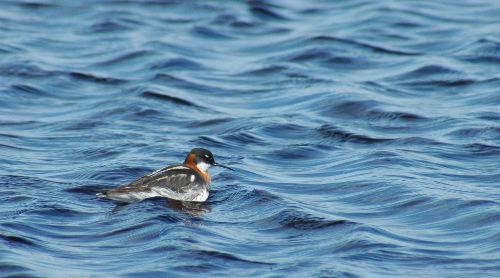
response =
{"points": [[192, 164]]}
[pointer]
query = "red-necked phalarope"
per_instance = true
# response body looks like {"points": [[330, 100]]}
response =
{"points": [[185, 182]]}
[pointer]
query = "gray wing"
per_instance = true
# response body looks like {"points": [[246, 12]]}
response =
{"points": [[175, 182], [175, 178]]}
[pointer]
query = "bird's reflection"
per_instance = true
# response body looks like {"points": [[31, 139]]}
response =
{"points": [[196, 209]]}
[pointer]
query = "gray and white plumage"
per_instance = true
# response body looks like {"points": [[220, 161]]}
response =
{"points": [[186, 182]]}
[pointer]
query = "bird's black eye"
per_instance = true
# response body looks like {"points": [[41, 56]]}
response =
{"points": [[207, 156]]}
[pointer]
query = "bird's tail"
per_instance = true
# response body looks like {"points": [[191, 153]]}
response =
{"points": [[124, 194], [103, 194]]}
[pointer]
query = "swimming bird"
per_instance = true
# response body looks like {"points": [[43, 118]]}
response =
{"points": [[189, 181]]}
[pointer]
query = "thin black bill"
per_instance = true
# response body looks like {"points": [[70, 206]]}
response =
{"points": [[223, 166]]}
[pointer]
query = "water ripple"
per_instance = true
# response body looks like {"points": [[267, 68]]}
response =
{"points": [[364, 135]]}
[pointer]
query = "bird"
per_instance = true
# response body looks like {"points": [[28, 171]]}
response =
{"points": [[189, 181]]}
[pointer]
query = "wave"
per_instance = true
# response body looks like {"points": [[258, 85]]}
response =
{"points": [[364, 135]]}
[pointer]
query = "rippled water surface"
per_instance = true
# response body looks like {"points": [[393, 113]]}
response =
{"points": [[365, 137]]}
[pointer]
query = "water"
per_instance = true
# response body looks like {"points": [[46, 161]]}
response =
{"points": [[365, 135]]}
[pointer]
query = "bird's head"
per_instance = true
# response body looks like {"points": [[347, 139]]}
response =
{"points": [[202, 159]]}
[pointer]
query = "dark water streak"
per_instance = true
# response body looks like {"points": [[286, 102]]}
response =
{"points": [[365, 135]]}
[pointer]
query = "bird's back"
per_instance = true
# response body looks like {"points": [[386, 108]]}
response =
{"points": [[179, 182]]}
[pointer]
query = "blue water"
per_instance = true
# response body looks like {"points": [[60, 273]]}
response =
{"points": [[365, 137]]}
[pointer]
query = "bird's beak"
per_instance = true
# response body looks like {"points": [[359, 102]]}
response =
{"points": [[223, 166]]}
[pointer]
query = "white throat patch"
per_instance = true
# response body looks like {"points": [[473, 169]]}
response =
{"points": [[203, 166]]}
